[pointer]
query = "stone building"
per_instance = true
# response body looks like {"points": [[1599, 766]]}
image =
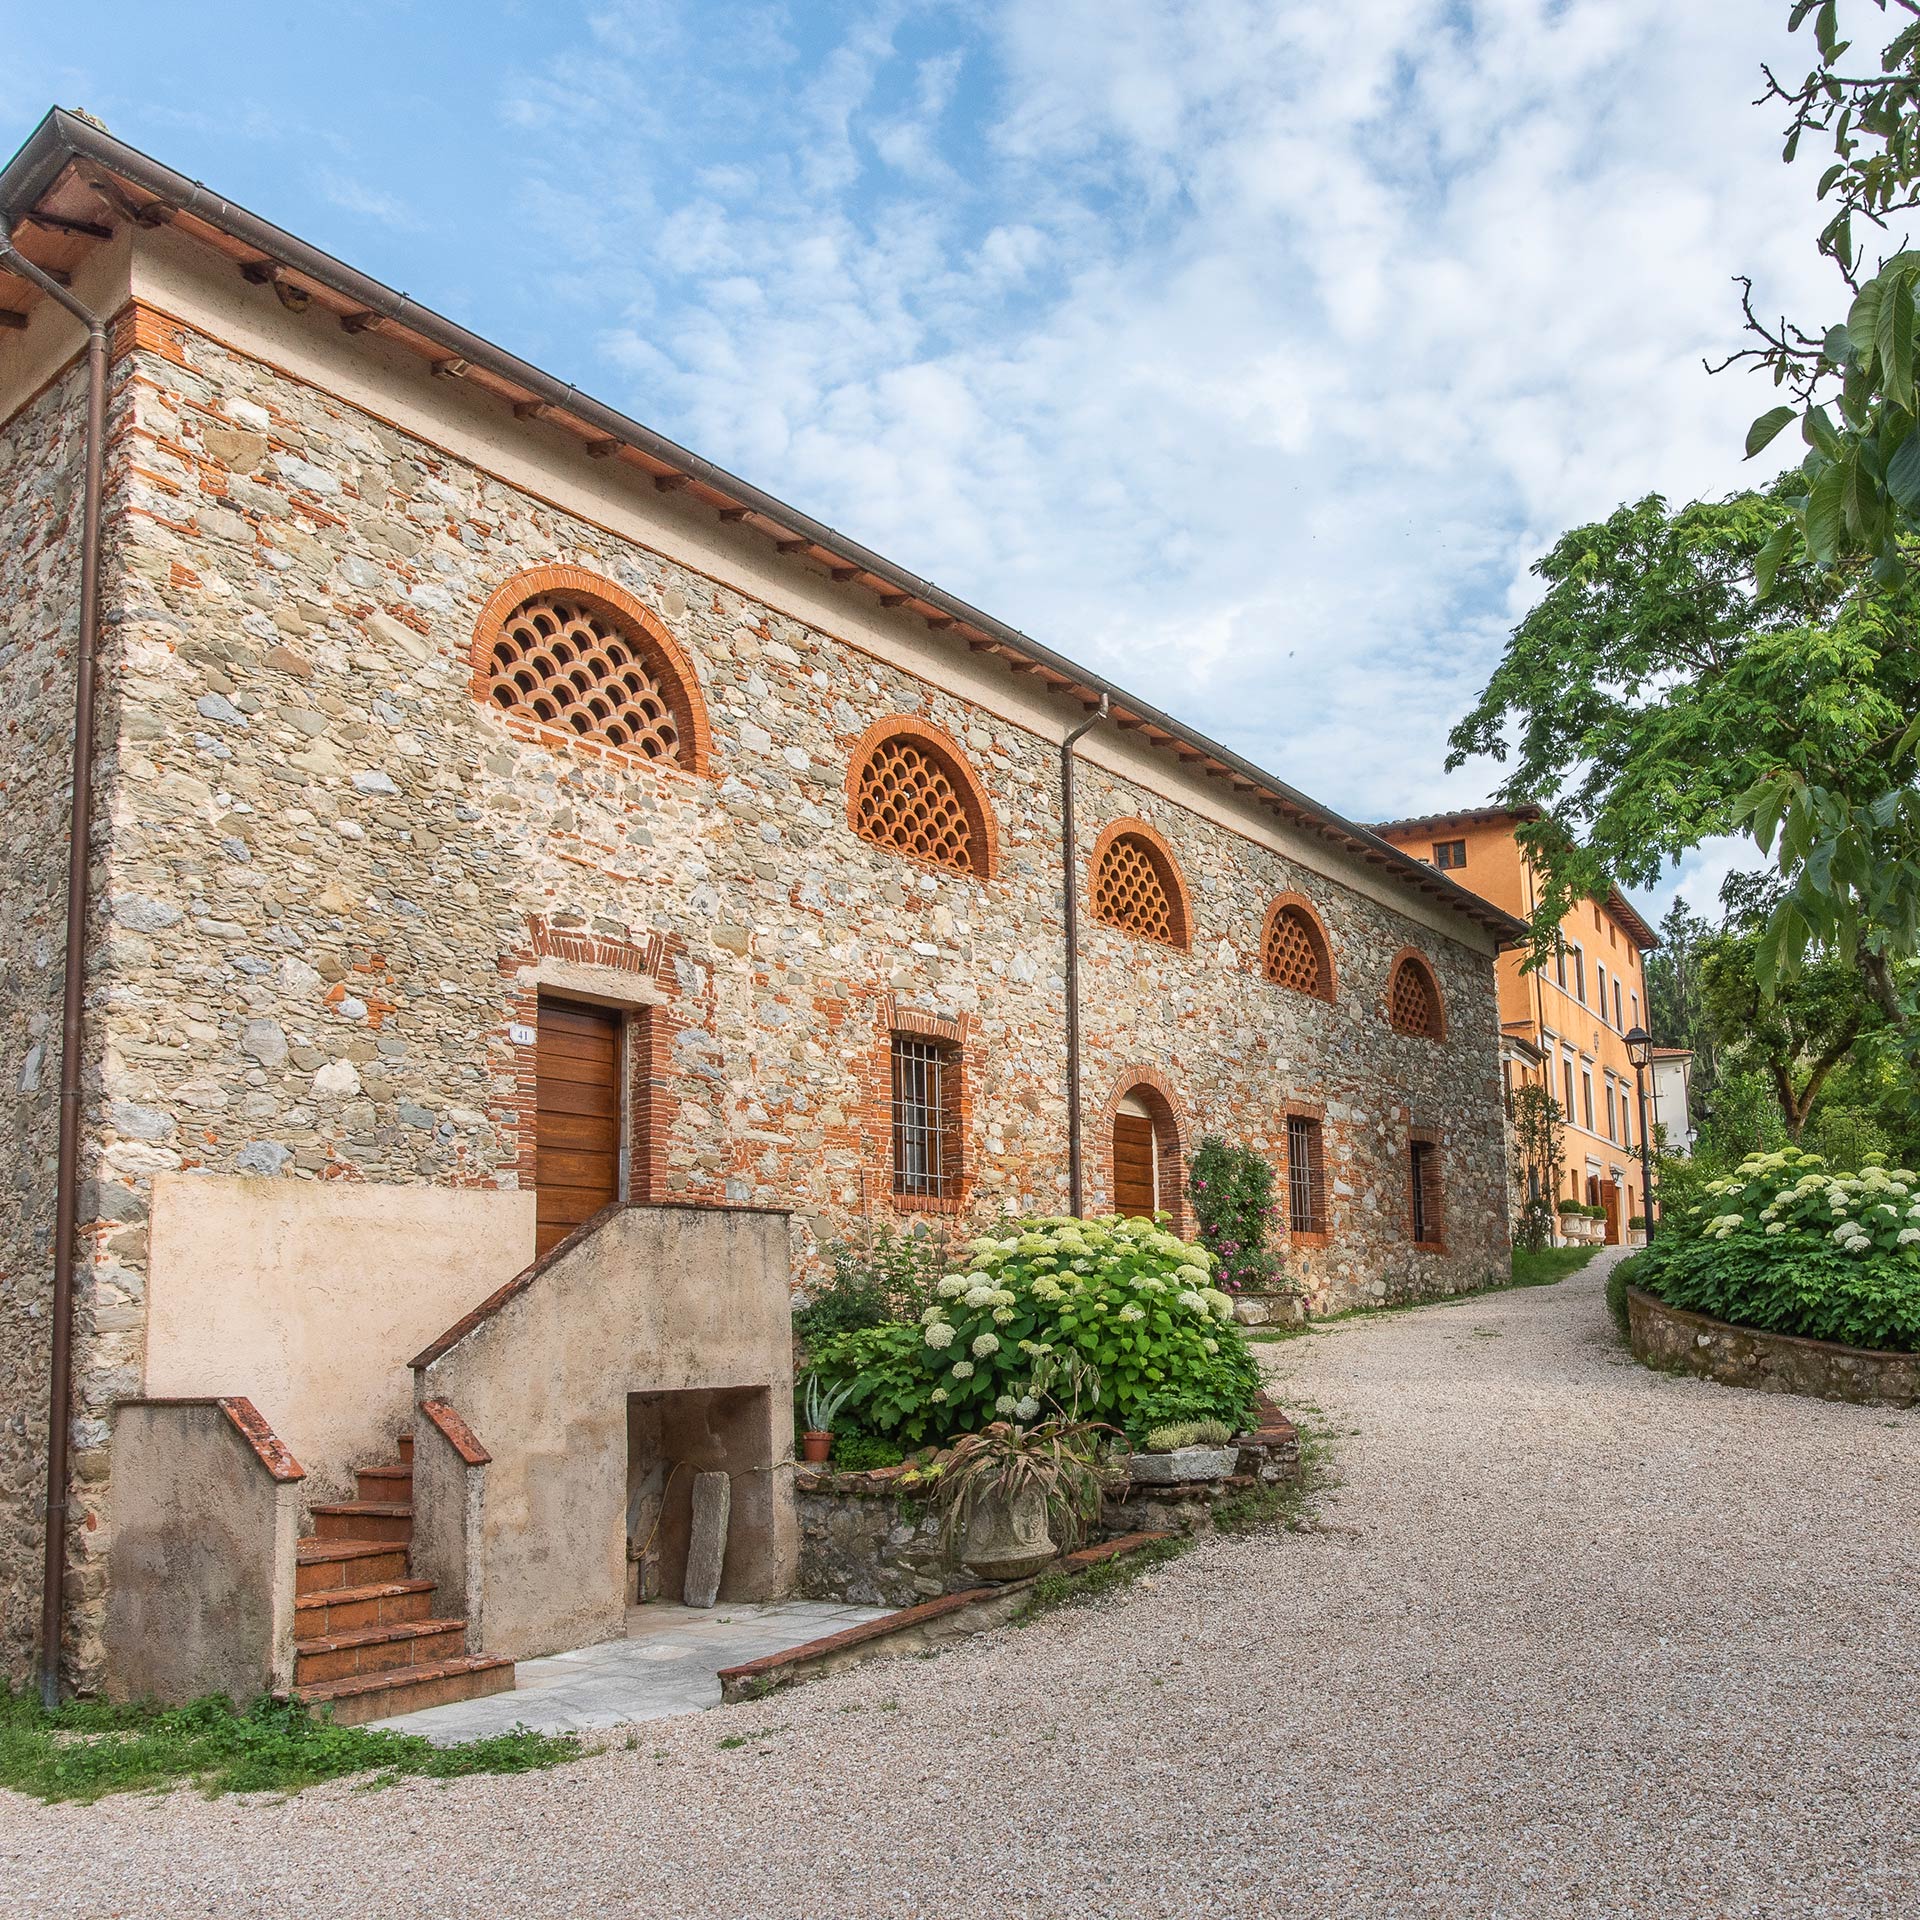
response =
{"points": [[502, 814]]}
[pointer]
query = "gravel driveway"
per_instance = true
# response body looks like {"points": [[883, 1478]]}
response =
{"points": [[1575, 1639]]}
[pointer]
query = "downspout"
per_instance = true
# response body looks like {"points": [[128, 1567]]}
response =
{"points": [[79, 836], [1076, 1186]]}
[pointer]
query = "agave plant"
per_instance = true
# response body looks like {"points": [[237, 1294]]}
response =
{"points": [[821, 1403], [1008, 1464]]}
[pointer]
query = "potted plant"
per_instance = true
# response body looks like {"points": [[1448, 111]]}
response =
{"points": [[820, 1406], [1189, 1450], [1015, 1496]]}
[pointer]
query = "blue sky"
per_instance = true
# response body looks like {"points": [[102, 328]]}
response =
{"points": [[1248, 352]]}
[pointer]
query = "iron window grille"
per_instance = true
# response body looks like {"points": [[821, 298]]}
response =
{"points": [[1305, 1181], [926, 1162], [1423, 1168]]}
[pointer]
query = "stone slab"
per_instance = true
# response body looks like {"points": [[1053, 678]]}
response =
{"points": [[707, 1544]]}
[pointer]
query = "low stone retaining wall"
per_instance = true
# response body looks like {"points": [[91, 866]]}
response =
{"points": [[1664, 1336]]}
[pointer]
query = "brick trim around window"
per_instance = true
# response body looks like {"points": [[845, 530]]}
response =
{"points": [[1398, 999], [1281, 957], [1426, 1164], [954, 1034], [669, 666], [946, 755], [1314, 1114], [1130, 841]]}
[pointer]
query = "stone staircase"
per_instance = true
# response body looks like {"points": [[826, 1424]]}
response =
{"points": [[366, 1641]]}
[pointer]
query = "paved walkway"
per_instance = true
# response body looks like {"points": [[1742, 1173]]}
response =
{"points": [[1576, 1639], [669, 1663]]}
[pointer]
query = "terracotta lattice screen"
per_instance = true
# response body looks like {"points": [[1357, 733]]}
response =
{"points": [[1295, 954], [1413, 1006], [909, 799], [570, 664], [1131, 892]]}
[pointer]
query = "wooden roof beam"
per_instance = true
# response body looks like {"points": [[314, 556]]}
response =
{"points": [[58, 223], [9, 318]]}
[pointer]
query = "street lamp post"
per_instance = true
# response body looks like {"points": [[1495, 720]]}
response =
{"points": [[1640, 1052]]}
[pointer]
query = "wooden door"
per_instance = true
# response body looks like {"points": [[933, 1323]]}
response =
{"points": [[1133, 1149], [578, 1108], [1610, 1199]]}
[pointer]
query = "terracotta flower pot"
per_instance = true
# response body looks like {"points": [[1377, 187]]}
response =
{"points": [[814, 1448]]}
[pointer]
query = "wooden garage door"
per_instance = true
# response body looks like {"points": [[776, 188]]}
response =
{"points": [[1132, 1164], [577, 1099]]}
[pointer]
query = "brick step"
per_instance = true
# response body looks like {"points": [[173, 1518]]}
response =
{"points": [[323, 1564], [407, 1643], [337, 1610], [375, 1696], [363, 1520], [406, 1446], [394, 1482]]}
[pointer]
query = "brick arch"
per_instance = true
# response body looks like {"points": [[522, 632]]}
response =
{"points": [[938, 747], [1130, 839], [1171, 1133], [1309, 920], [665, 660], [1412, 957]]}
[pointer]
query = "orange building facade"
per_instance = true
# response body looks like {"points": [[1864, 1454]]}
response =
{"points": [[1565, 1024]]}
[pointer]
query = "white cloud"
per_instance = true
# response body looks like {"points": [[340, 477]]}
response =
{"points": [[355, 196], [1247, 350]]}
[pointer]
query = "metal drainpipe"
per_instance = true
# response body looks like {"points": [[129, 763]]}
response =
{"points": [[1076, 1188], [80, 827]]}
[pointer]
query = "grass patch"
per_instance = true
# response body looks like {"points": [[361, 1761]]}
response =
{"points": [[87, 1748], [1057, 1589], [1548, 1264]]}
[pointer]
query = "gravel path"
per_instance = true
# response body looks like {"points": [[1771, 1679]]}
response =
{"points": [[1575, 1639]]}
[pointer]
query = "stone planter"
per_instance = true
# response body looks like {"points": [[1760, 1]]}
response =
{"points": [[1182, 1465], [1269, 1309], [1008, 1539]]}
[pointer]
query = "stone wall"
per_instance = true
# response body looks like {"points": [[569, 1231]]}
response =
{"points": [[336, 880], [1669, 1337], [868, 1541], [41, 473]]}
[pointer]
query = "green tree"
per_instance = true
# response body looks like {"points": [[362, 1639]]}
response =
{"points": [[1537, 1157], [1676, 1014]]}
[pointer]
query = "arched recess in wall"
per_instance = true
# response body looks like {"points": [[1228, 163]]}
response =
{"points": [[1136, 885], [572, 659], [1142, 1138], [1294, 949], [911, 790], [1413, 997]]}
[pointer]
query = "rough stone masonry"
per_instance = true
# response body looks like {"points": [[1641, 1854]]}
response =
{"points": [[323, 869]]}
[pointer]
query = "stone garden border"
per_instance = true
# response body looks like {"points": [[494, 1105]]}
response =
{"points": [[1664, 1336]]}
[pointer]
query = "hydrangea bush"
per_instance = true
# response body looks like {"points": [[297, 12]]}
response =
{"points": [[1787, 1246], [1120, 1304]]}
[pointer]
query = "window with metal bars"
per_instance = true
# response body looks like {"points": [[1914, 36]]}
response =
{"points": [[926, 1091], [1306, 1176], [1423, 1170]]}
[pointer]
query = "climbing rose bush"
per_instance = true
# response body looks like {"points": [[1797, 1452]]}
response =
{"points": [[1790, 1247], [1121, 1304]]}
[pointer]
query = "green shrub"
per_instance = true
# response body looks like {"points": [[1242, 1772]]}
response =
{"points": [[1620, 1276], [1109, 1314], [1189, 1433], [883, 1276], [1785, 1246], [862, 1452], [1231, 1190]]}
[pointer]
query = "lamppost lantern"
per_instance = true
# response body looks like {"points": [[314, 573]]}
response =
{"points": [[1640, 1052]]}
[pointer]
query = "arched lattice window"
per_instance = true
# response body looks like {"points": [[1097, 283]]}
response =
{"points": [[910, 790], [580, 657], [1294, 953], [1413, 999], [1137, 887]]}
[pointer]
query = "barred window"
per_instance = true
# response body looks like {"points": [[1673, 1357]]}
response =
{"points": [[1134, 889], [1294, 953], [1413, 1000], [911, 797], [1423, 1170], [574, 664], [926, 1114], [1306, 1176]]}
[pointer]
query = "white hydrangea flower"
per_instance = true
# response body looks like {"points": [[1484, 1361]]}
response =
{"points": [[928, 1315], [984, 1344], [1191, 1276], [1025, 1407], [962, 1369], [939, 1393], [1003, 1296], [1210, 1343], [939, 1334], [1780, 1226], [977, 1297], [1005, 1403], [1001, 1315], [1132, 1313], [1218, 1303], [1191, 1301], [953, 1285]]}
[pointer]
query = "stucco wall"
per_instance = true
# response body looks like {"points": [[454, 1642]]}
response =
{"points": [[203, 1561], [311, 1298], [656, 1300]]}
